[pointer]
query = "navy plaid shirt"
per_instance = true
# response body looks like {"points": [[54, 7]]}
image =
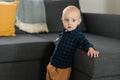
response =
{"points": [[66, 46]]}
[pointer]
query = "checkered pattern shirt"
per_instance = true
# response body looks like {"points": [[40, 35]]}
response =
{"points": [[66, 46]]}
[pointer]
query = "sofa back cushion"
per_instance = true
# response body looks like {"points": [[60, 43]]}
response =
{"points": [[54, 10], [103, 24]]}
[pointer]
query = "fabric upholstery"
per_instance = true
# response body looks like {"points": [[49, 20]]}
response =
{"points": [[24, 47], [108, 62], [23, 70], [103, 24]]}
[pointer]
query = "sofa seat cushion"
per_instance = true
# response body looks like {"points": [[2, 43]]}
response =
{"points": [[105, 44], [105, 66], [24, 47]]}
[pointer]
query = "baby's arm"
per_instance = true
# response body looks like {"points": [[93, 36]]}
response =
{"points": [[87, 46]]}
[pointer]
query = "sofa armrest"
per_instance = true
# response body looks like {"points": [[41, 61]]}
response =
{"points": [[103, 24], [83, 66]]}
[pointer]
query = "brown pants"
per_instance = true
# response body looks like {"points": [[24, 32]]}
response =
{"points": [[54, 73]]}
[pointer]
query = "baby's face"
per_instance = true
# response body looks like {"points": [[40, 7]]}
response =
{"points": [[71, 20]]}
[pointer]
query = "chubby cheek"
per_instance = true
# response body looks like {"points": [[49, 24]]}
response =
{"points": [[74, 27], [65, 25]]}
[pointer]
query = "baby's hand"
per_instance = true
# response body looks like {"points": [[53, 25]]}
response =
{"points": [[93, 53], [56, 40]]}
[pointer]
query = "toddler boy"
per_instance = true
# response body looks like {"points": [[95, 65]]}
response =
{"points": [[59, 67]]}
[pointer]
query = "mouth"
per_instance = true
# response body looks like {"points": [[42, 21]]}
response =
{"points": [[69, 27]]}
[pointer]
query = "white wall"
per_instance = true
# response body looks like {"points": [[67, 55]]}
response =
{"points": [[100, 6]]}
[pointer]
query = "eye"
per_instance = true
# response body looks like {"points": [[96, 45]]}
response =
{"points": [[66, 19], [73, 20]]}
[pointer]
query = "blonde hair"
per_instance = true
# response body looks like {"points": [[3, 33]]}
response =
{"points": [[71, 8]]}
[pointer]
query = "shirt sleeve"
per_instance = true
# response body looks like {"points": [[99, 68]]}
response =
{"points": [[84, 43]]}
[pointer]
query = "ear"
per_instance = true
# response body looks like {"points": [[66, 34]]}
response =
{"points": [[61, 18], [79, 21]]}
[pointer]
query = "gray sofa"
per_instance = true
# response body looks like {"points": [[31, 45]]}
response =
{"points": [[25, 56]]}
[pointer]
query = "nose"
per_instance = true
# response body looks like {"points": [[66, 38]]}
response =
{"points": [[69, 22]]}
